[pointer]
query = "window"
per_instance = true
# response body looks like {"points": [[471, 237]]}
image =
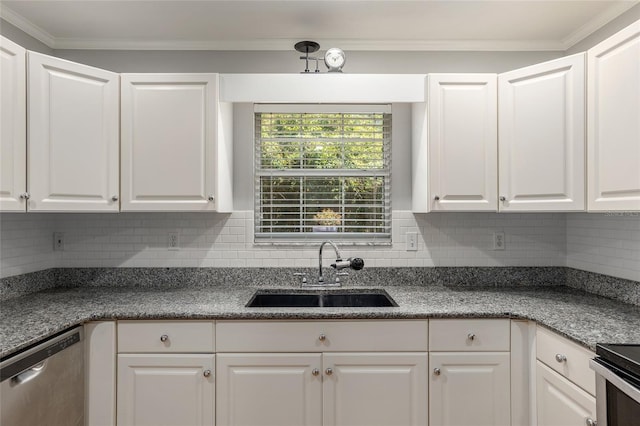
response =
{"points": [[323, 171]]}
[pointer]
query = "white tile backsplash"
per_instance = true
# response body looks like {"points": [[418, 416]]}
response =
{"points": [[226, 240], [605, 243]]}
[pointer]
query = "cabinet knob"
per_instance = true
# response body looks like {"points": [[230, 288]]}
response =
{"points": [[328, 371], [114, 198], [315, 371], [25, 196], [164, 338], [206, 373], [561, 358], [471, 336], [211, 198], [436, 198], [591, 422], [436, 371], [503, 198], [322, 337]]}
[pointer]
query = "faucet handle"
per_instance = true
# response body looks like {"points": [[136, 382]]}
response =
{"points": [[303, 275]]}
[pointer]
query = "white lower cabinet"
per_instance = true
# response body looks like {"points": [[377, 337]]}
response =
{"points": [[560, 402], [166, 390], [285, 389], [269, 389], [469, 388]]}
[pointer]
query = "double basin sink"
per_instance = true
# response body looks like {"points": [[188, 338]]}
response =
{"points": [[320, 299]]}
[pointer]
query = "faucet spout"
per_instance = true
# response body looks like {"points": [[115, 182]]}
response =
{"points": [[338, 257]]}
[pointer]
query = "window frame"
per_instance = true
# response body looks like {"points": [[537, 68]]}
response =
{"points": [[305, 238]]}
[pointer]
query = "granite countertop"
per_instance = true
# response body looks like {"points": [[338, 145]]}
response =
{"points": [[583, 317]]}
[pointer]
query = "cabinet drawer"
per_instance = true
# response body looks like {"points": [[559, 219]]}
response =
{"points": [[572, 359], [469, 335], [321, 336], [166, 336]]}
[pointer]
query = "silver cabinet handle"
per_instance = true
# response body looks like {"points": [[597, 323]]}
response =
{"points": [[328, 371], [164, 338], [322, 337], [591, 422], [436, 371], [471, 336], [436, 198], [315, 371], [211, 198], [561, 358], [25, 196], [114, 198], [503, 198], [206, 373]]}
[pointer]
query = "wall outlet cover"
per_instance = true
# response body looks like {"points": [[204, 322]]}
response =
{"points": [[498, 241]]}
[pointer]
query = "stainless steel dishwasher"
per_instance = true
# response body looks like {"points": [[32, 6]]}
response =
{"points": [[44, 384]]}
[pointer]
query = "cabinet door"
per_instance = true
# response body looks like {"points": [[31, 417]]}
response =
{"points": [[13, 126], [269, 390], [73, 136], [165, 390], [375, 389], [470, 388], [463, 142], [168, 141], [541, 136], [560, 402], [614, 122]]}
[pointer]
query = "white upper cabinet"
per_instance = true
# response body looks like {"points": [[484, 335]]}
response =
{"points": [[169, 142], [463, 142], [542, 136], [613, 133], [73, 136], [13, 127]]}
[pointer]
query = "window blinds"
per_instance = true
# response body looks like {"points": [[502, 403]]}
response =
{"points": [[322, 172]]}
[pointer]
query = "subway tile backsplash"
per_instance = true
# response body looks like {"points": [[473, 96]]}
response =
{"points": [[597, 243]]}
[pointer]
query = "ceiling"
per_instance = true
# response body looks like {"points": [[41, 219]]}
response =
{"points": [[277, 25]]}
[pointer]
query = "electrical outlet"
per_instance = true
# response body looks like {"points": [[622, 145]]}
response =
{"points": [[173, 241], [412, 241], [498, 241], [58, 241]]}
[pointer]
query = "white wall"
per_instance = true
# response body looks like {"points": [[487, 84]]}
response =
{"points": [[606, 243], [222, 240], [622, 21], [26, 243], [23, 39]]}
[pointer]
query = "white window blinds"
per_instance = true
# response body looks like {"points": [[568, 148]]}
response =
{"points": [[323, 171]]}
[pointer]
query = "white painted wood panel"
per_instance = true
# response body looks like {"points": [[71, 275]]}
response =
{"points": [[13, 126], [469, 335], [574, 359], [614, 122], [472, 388], [463, 142], [100, 373], [523, 373], [73, 150], [269, 390], [181, 336], [168, 142], [375, 389], [322, 88], [166, 390], [305, 336], [542, 136], [560, 402]]}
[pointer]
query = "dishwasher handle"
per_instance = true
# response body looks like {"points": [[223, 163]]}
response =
{"points": [[29, 374]]}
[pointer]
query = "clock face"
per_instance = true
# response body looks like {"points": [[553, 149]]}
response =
{"points": [[334, 59]]}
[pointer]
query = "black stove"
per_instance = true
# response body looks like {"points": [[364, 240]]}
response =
{"points": [[624, 359]]}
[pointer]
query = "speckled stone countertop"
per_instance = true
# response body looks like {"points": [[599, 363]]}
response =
{"points": [[583, 317]]}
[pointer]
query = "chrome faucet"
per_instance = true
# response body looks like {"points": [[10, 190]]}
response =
{"points": [[354, 263]]}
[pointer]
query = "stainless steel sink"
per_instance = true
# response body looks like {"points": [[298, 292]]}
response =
{"points": [[319, 299]]}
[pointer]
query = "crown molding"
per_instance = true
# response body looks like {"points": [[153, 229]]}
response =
{"points": [[287, 45], [27, 26], [599, 21]]}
